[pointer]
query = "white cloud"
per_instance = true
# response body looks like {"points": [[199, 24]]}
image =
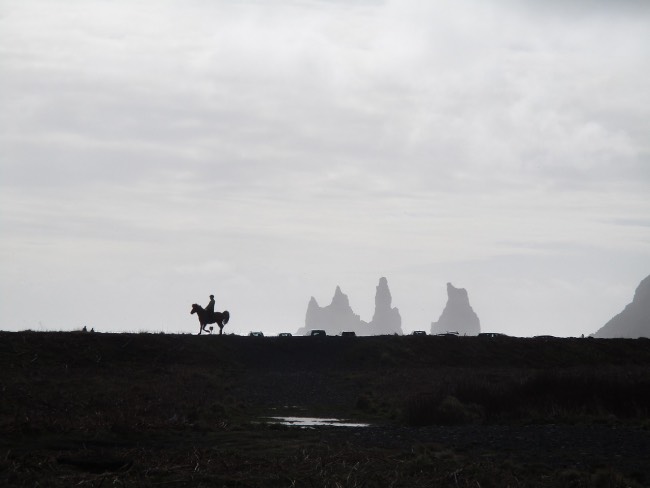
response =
{"points": [[282, 147]]}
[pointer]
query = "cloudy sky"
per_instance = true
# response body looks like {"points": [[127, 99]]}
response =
{"points": [[153, 152]]}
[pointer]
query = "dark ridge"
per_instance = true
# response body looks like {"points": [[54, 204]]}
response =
{"points": [[86, 350]]}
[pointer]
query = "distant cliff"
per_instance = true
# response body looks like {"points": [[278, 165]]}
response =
{"points": [[458, 315], [338, 316], [334, 318], [634, 320]]}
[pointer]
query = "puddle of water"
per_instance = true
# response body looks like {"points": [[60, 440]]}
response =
{"points": [[313, 422]]}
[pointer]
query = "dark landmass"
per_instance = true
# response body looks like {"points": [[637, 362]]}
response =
{"points": [[89, 409]]}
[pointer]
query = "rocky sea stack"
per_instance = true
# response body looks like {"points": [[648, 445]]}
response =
{"points": [[386, 320], [339, 317], [336, 317], [458, 315]]}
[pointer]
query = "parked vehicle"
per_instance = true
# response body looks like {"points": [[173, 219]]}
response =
{"points": [[317, 332], [448, 334], [256, 334]]}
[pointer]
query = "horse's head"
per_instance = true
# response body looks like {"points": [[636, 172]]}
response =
{"points": [[195, 308]]}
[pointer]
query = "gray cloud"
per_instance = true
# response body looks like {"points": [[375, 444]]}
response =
{"points": [[320, 143]]}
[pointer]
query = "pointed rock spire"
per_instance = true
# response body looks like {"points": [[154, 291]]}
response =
{"points": [[458, 315], [340, 300], [312, 318], [336, 317], [386, 320]]}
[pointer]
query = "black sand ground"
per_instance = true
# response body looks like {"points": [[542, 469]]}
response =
{"points": [[81, 409]]}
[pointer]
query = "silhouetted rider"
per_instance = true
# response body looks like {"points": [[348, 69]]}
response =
{"points": [[210, 307]]}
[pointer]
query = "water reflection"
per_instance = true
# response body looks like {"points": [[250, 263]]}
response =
{"points": [[313, 422]]}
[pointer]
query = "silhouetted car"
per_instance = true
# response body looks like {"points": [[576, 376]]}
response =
{"points": [[284, 334], [317, 332], [348, 334], [256, 334], [544, 337], [448, 334], [491, 334], [419, 332]]}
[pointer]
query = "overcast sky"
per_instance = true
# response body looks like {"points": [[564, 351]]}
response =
{"points": [[154, 152]]}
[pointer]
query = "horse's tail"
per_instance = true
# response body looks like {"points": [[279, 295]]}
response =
{"points": [[226, 317]]}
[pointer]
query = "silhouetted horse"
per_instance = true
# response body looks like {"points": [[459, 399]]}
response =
{"points": [[205, 318]]}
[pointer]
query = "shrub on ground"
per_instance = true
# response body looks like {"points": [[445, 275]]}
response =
{"points": [[555, 395]]}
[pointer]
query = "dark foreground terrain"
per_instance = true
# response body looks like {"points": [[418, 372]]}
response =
{"points": [[85, 409]]}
